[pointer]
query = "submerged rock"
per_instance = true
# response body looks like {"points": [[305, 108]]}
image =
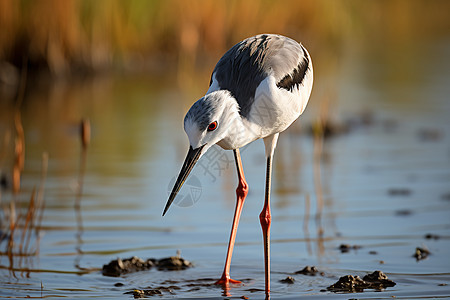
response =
{"points": [[120, 266], [352, 284]]}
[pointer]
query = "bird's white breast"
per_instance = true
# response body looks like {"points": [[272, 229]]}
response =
{"points": [[275, 109]]}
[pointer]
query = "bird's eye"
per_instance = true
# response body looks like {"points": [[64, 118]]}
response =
{"points": [[212, 126]]}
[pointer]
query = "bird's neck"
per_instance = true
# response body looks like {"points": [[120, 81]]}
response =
{"points": [[240, 132]]}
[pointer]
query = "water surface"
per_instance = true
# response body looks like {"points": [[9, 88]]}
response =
{"points": [[384, 185]]}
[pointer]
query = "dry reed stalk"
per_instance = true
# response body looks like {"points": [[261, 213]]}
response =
{"points": [[85, 136], [3, 151], [5, 144], [307, 213], [85, 133], [29, 224], [19, 160], [318, 146], [319, 128], [12, 227], [40, 199], [16, 220], [306, 222], [19, 152]]}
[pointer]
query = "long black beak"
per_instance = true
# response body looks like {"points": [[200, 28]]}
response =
{"points": [[191, 158]]}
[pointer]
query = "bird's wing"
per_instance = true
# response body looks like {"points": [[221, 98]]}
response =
{"points": [[246, 64]]}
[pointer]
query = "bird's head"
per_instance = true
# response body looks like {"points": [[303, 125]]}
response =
{"points": [[207, 122], [209, 119]]}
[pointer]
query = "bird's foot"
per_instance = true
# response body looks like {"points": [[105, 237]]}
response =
{"points": [[226, 280]]}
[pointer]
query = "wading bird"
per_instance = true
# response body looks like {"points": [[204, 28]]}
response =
{"points": [[257, 90]]}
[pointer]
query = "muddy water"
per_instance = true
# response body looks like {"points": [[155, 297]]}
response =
{"points": [[384, 182]]}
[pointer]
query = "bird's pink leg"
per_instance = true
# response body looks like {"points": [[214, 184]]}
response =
{"points": [[241, 193], [265, 220]]}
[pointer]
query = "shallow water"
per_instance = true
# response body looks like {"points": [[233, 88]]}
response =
{"points": [[385, 185]]}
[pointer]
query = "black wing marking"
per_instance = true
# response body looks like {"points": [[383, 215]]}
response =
{"points": [[296, 77]]}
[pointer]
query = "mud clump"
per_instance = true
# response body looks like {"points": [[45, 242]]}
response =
{"points": [[345, 248], [403, 212], [137, 293], [353, 284], [288, 280], [421, 253], [378, 277], [349, 284], [310, 271], [430, 135], [120, 266], [144, 293], [431, 236], [173, 263], [4, 182], [329, 129], [399, 192]]}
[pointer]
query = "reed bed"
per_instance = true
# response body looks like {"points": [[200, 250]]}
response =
{"points": [[20, 221], [73, 36]]}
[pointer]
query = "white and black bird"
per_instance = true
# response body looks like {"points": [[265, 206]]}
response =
{"points": [[257, 90]]}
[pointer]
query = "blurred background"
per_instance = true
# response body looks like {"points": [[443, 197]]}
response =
{"points": [[76, 37], [92, 98]]}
